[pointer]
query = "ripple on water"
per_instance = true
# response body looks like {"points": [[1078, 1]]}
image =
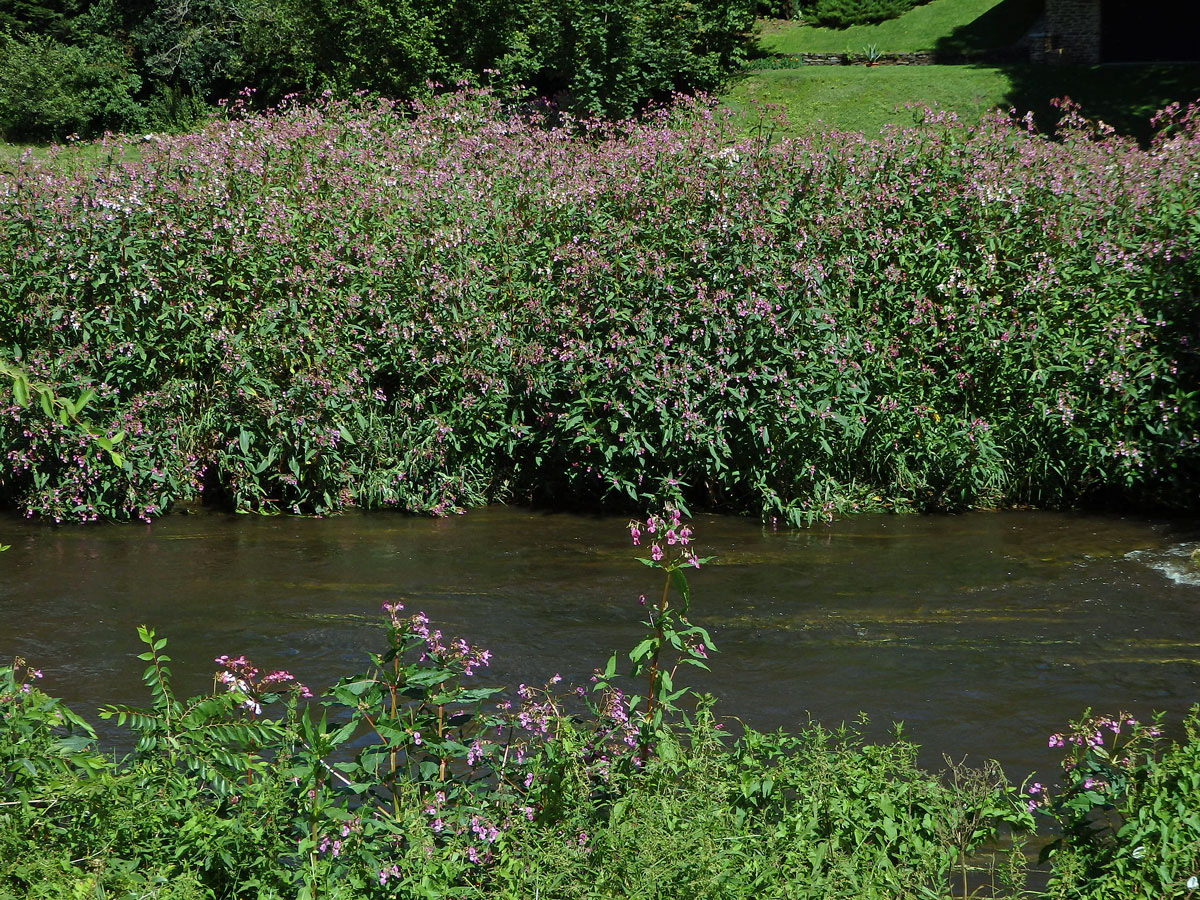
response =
{"points": [[1179, 563]]}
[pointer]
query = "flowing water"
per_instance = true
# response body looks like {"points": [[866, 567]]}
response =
{"points": [[983, 633]]}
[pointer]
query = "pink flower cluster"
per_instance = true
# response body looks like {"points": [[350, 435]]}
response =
{"points": [[458, 651], [666, 530], [240, 676]]}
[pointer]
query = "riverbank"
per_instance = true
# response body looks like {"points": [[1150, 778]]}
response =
{"points": [[336, 307], [985, 633]]}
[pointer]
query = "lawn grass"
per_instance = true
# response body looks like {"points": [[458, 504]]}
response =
{"points": [[82, 155], [860, 98], [945, 25]]}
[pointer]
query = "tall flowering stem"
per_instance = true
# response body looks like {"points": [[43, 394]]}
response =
{"points": [[671, 552]]}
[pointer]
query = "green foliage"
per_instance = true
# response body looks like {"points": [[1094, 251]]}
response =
{"points": [[26, 392], [1128, 810], [211, 746], [49, 89], [445, 304], [387, 46], [44, 746], [126, 66], [35, 16]]}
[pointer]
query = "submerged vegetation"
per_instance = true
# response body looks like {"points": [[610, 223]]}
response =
{"points": [[442, 305], [415, 779]]}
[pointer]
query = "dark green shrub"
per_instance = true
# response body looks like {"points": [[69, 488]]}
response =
{"points": [[778, 9], [193, 44], [844, 13], [49, 89], [175, 110]]}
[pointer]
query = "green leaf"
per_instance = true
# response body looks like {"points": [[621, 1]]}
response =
{"points": [[642, 650], [681, 585]]}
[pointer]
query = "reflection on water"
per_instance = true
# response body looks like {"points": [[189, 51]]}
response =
{"points": [[982, 632]]}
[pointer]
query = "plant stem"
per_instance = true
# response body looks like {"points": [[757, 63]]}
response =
{"points": [[651, 687]]}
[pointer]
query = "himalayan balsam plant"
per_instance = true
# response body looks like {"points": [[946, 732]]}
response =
{"points": [[670, 632], [435, 305], [1128, 809]]}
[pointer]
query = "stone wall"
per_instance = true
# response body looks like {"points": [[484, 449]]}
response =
{"points": [[857, 59], [1069, 34], [918, 58]]}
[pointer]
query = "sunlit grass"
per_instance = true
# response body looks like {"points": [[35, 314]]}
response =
{"points": [[67, 158], [919, 29], [858, 98]]}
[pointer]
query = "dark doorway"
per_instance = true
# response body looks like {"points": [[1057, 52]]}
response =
{"points": [[1143, 31]]}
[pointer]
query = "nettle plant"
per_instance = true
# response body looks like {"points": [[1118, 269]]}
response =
{"points": [[1128, 809]]}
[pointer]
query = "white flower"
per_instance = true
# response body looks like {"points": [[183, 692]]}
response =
{"points": [[1193, 883], [1139, 852]]}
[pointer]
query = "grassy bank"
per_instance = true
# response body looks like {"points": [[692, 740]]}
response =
{"points": [[947, 25], [856, 98], [860, 98]]}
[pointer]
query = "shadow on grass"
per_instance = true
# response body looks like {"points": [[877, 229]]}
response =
{"points": [[998, 29], [1123, 96]]}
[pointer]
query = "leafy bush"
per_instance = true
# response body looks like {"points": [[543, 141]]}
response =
{"points": [[70, 69], [1128, 810], [778, 9], [49, 89], [593, 57], [442, 305]]}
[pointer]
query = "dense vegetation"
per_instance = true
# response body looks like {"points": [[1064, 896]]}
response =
{"points": [[414, 780], [339, 306], [83, 66], [838, 13]]}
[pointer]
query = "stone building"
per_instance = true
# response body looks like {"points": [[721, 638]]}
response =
{"points": [[1083, 32]]}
